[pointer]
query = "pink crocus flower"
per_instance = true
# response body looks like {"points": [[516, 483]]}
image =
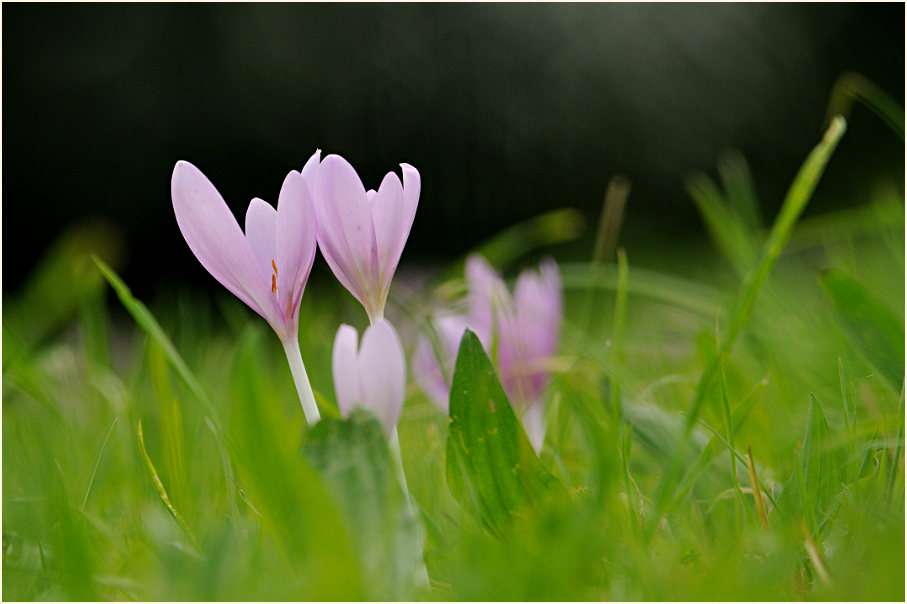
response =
{"points": [[373, 375], [520, 332], [267, 266], [362, 233]]}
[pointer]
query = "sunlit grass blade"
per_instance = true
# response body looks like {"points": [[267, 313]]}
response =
{"points": [[794, 203], [162, 492]]}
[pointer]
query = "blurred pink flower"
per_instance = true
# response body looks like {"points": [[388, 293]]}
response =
{"points": [[268, 266], [362, 233], [520, 332], [372, 377]]}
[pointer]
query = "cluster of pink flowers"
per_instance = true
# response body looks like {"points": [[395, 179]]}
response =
{"points": [[361, 234], [521, 331]]}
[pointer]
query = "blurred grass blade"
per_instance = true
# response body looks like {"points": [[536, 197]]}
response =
{"points": [[150, 326], [171, 422], [794, 203], [874, 329], [556, 226], [757, 489], [63, 280], [491, 467], [620, 320], [352, 457], [851, 86], [727, 228], [739, 188], [738, 417], [896, 460], [663, 287], [611, 217], [162, 492], [819, 466]]}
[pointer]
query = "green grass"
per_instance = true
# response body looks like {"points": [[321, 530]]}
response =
{"points": [[162, 454]]}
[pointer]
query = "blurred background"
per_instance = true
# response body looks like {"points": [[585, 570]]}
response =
{"points": [[506, 110]]}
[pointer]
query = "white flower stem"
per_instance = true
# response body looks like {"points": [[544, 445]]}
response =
{"points": [[422, 570], [303, 387]]}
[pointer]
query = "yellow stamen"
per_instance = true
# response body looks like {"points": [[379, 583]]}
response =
{"points": [[274, 264], [274, 278]]}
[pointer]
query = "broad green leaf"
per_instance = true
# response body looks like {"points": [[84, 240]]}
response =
{"points": [[492, 469], [872, 327], [353, 459]]}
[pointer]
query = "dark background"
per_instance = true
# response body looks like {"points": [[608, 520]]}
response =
{"points": [[506, 110]]}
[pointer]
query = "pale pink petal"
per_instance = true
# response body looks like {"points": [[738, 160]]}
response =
{"points": [[382, 373], [487, 297], [261, 233], [538, 300], [345, 232], [310, 170], [427, 371], [427, 366], [295, 242], [214, 236], [345, 369], [391, 228]]}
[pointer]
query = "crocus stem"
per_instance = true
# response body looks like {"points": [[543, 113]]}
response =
{"points": [[422, 570], [306, 397]]}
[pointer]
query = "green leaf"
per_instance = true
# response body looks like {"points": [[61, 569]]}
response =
{"points": [[871, 326], [353, 459], [492, 469]]}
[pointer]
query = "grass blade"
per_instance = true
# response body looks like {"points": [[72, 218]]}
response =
{"points": [[162, 492], [851, 87], [150, 326], [98, 462], [794, 203]]}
